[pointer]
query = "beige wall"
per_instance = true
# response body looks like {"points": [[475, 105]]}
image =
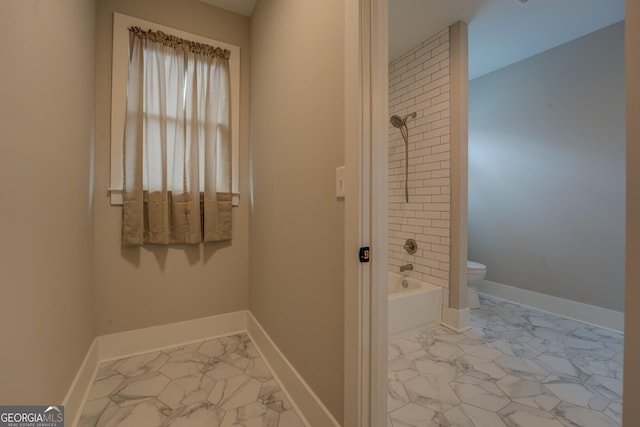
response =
{"points": [[46, 117], [631, 411], [297, 224], [136, 287]]}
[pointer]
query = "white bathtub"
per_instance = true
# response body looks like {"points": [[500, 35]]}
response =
{"points": [[417, 305]]}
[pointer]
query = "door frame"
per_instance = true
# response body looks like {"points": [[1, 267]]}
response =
{"points": [[366, 161], [366, 69]]}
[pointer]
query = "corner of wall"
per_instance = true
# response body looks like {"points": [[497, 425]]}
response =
{"points": [[459, 164]]}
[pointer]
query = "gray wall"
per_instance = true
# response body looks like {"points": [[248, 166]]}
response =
{"points": [[141, 287], [47, 98], [547, 171], [297, 225]]}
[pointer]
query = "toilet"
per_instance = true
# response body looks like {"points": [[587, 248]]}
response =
{"points": [[475, 274]]}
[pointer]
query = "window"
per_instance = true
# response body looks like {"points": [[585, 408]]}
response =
{"points": [[121, 24]]}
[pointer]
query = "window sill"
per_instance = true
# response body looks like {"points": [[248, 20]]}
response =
{"points": [[116, 197]]}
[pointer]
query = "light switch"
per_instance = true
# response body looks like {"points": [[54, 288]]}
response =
{"points": [[340, 182]]}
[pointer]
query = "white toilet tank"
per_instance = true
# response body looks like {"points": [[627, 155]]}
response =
{"points": [[475, 274], [476, 271]]}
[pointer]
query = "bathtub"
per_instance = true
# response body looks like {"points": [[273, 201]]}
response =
{"points": [[417, 305]]}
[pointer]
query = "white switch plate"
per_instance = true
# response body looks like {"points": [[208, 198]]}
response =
{"points": [[340, 182]]}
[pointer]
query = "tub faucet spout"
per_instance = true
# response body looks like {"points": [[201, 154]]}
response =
{"points": [[406, 267]]}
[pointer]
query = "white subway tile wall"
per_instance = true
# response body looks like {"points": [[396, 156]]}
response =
{"points": [[419, 82]]}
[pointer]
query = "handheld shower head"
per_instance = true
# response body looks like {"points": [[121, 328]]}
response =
{"points": [[401, 123], [398, 121]]}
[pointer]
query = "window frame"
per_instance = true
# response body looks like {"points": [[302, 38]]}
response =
{"points": [[119, 77]]}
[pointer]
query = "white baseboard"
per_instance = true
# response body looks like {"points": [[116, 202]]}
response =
{"points": [[77, 393], [130, 343], [307, 403], [594, 315], [458, 320]]}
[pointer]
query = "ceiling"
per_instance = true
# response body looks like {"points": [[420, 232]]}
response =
{"points": [[243, 7], [501, 32]]}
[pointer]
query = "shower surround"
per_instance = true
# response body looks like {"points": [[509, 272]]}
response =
{"points": [[419, 82]]}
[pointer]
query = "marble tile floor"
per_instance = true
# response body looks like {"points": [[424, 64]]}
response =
{"points": [[516, 367], [216, 383]]}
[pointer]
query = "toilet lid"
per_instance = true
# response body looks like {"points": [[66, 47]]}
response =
{"points": [[475, 266]]}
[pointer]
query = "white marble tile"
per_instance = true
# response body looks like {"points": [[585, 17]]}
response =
{"points": [[577, 394], [402, 375], [139, 388], [151, 413], [219, 370], [182, 349], [97, 412], [516, 414], [513, 356], [219, 346], [606, 368], [143, 364], [444, 350], [184, 364], [559, 366], [400, 364], [251, 415], [480, 350], [549, 334], [272, 396], [404, 347], [566, 325], [509, 316], [104, 386], [392, 351], [444, 370], [442, 335], [481, 393], [465, 415], [611, 388], [521, 367], [431, 393], [202, 414], [412, 415], [527, 392], [290, 419], [571, 415], [582, 344], [517, 349], [235, 392], [541, 321], [213, 383], [246, 347], [614, 411], [187, 391], [258, 369], [107, 369], [480, 368], [236, 360], [396, 396]]}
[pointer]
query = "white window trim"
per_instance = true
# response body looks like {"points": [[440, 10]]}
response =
{"points": [[119, 76]]}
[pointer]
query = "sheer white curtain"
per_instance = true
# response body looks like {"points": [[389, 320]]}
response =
{"points": [[177, 142]]}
